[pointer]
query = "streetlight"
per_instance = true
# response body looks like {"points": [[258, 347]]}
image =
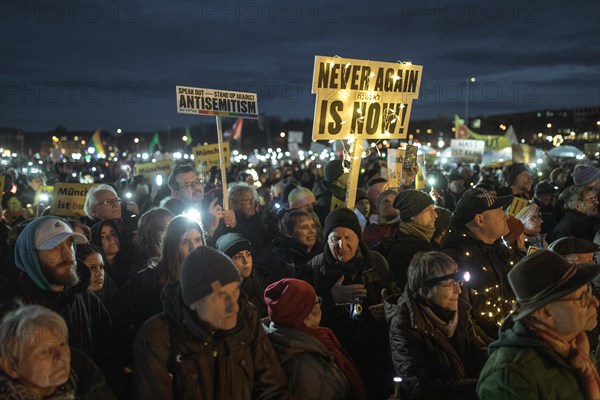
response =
{"points": [[469, 80]]}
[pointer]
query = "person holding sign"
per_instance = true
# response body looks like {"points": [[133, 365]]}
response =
{"points": [[331, 191]]}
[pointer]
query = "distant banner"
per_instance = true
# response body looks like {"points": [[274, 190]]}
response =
{"points": [[154, 168], [522, 153], [224, 103], [43, 195], [68, 199], [363, 99], [395, 160], [467, 151], [492, 142], [295, 136], [206, 156]]}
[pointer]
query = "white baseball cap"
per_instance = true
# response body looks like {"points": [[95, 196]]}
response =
{"points": [[52, 232]]}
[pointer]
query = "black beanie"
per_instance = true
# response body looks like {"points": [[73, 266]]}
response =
{"points": [[341, 217], [233, 243], [204, 269], [411, 202], [511, 172], [333, 170]]}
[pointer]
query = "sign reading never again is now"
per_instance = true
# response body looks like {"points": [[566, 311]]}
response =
{"points": [[363, 99]]}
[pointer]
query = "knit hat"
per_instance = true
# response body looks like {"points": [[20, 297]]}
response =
{"points": [[543, 277], [383, 195], [515, 228], [290, 301], [584, 174], [333, 170], [573, 245], [233, 243], [342, 217], [411, 202], [511, 172], [361, 194], [477, 201], [375, 181], [300, 197], [545, 187], [203, 271]]}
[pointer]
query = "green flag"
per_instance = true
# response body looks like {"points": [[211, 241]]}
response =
{"points": [[188, 135], [155, 143]]}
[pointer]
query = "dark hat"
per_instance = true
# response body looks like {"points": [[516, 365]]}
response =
{"points": [[290, 301], [411, 202], [383, 195], [342, 217], [543, 277], [584, 174], [361, 194], [511, 172], [573, 245], [476, 201], [233, 243], [204, 270], [545, 187], [454, 175], [375, 181], [333, 170]]}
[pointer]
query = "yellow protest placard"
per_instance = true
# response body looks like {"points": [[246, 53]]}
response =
{"points": [[206, 156], [517, 205], [43, 195], [395, 161], [363, 99], [336, 203], [154, 168], [68, 199]]}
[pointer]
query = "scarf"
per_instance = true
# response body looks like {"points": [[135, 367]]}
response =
{"points": [[576, 353], [446, 327], [341, 358], [416, 230], [12, 389]]}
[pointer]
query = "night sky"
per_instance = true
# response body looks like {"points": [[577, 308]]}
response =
{"points": [[108, 65]]}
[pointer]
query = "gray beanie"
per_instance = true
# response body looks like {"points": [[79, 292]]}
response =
{"points": [[202, 270], [411, 202], [333, 170]]}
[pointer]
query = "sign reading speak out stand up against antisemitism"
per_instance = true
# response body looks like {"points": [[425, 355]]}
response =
{"points": [[363, 99], [223, 103]]}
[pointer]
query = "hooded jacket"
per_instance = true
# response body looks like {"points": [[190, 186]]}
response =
{"points": [[433, 366], [177, 356], [523, 367]]}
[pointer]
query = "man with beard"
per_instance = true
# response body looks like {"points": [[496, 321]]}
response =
{"points": [[581, 210], [52, 277]]}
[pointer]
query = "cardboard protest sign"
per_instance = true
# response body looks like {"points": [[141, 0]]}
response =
{"points": [[336, 203], [395, 161], [223, 103], [43, 195], [363, 99], [207, 155], [467, 150], [522, 153], [410, 157], [154, 168], [517, 205], [68, 199]]}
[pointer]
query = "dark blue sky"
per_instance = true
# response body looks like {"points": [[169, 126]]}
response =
{"points": [[115, 65]]}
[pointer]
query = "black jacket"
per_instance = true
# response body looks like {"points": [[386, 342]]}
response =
{"points": [[402, 248], [574, 223]]}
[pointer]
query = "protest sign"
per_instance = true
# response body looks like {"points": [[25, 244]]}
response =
{"points": [[207, 155], [223, 103], [522, 153], [467, 150], [336, 203], [68, 199], [517, 205], [295, 136], [395, 160], [154, 168], [43, 195], [363, 99]]}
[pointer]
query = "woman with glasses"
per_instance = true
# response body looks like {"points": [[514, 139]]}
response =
{"points": [[433, 340], [532, 221], [316, 365]]}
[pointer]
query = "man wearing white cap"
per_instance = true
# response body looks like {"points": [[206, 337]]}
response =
{"points": [[50, 276]]}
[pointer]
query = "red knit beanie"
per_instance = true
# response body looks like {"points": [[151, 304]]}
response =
{"points": [[290, 301]]}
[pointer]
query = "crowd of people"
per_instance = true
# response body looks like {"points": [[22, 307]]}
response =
{"points": [[287, 293]]}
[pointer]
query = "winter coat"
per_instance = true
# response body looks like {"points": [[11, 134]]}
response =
{"points": [[251, 228], [402, 248], [574, 223], [432, 365], [523, 367], [488, 290], [285, 258], [177, 356], [323, 192], [310, 368]]}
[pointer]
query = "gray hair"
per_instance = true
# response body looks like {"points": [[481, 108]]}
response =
{"points": [[21, 327], [237, 189], [573, 195], [426, 266], [90, 200]]}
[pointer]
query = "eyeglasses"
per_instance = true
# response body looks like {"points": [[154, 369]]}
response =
{"points": [[112, 203], [453, 284], [584, 299], [192, 184]]}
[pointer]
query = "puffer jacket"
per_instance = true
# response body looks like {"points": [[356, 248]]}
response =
{"points": [[488, 290], [432, 365], [310, 368], [177, 356], [523, 367]]}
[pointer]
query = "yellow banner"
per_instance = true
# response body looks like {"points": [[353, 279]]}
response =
{"points": [[206, 156], [45, 191], [68, 199], [492, 142], [154, 168]]}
